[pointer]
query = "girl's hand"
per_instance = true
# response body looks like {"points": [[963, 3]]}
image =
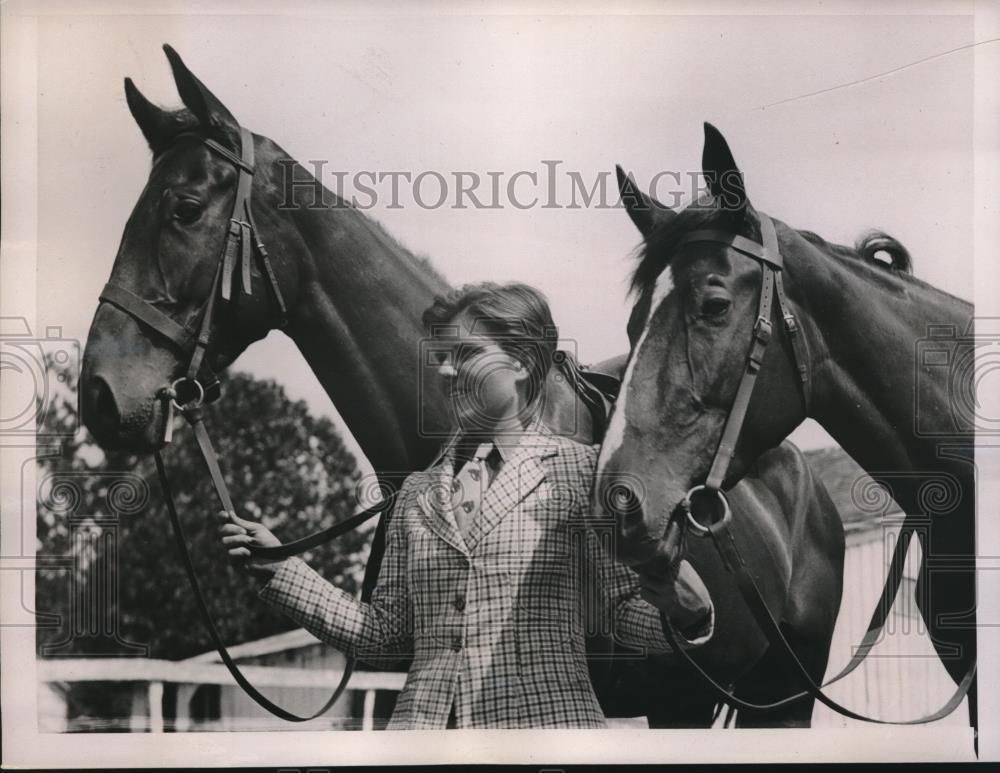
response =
{"points": [[237, 533]]}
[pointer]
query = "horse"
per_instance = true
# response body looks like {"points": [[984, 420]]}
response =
{"points": [[879, 358], [354, 298]]}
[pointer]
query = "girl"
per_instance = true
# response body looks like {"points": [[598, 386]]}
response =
{"points": [[490, 564]]}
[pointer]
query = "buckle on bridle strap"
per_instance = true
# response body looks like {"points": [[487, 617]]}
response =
{"points": [[762, 330]]}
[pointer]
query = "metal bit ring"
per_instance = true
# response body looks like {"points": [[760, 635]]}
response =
{"points": [[194, 403], [696, 526]]}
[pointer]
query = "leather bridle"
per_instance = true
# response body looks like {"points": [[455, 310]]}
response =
{"points": [[772, 288], [714, 522], [199, 385], [242, 238]]}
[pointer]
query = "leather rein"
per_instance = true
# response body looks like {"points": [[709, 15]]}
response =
{"points": [[717, 529], [189, 393]]}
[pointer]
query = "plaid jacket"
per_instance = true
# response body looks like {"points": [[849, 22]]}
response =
{"points": [[495, 622]]}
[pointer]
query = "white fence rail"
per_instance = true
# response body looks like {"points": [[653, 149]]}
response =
{"points": [[158, 672], [902, 678]]}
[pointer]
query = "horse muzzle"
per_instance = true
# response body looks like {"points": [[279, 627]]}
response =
{"points": [[118, 424]]}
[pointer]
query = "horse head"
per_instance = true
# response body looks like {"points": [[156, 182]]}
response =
{"points": [[167, 263], [690, 330]]}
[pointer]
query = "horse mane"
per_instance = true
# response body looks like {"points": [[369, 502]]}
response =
{"points": [[420, 261], [655, 251], [183, 121]]}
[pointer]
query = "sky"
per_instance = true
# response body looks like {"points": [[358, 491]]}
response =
{"points": [[493, 93]]}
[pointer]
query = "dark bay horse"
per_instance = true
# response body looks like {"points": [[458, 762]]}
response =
{"points": [[886, 369], [354, 298]]}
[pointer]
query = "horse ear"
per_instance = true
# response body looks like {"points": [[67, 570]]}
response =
{"points": [[154, 122], [645, 211], [209, 111], [725, 180]]}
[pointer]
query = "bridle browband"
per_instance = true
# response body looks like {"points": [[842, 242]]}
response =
{"points": [[768, 255], [199, 385]]}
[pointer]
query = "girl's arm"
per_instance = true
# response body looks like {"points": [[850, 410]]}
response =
{"points": [[363, 630], [636, 621]]}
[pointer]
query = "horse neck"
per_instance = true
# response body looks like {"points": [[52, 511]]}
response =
{"points": [[863, 325], [356, 320]]}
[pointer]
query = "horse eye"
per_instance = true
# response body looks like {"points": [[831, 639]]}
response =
{"points": [[715, 307], [187, 212]]}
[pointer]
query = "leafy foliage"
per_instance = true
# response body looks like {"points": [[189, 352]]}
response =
{"points": [[109, 566]]}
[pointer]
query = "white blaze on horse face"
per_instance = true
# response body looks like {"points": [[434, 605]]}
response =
{"points": [[615, 434], [664, 285]]}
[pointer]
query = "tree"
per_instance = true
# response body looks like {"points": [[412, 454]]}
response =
{"points": [[102, 523]]}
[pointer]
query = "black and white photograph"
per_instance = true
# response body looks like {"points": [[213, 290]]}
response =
{"points": [[499, 383]]}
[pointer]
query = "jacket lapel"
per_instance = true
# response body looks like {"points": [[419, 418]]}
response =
{"points": [[434, 499], [518, 477]]}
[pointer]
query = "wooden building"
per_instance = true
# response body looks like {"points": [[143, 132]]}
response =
{"points": [[902, 677]]}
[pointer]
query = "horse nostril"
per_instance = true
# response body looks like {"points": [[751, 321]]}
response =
{"points": [[101, 408]]}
